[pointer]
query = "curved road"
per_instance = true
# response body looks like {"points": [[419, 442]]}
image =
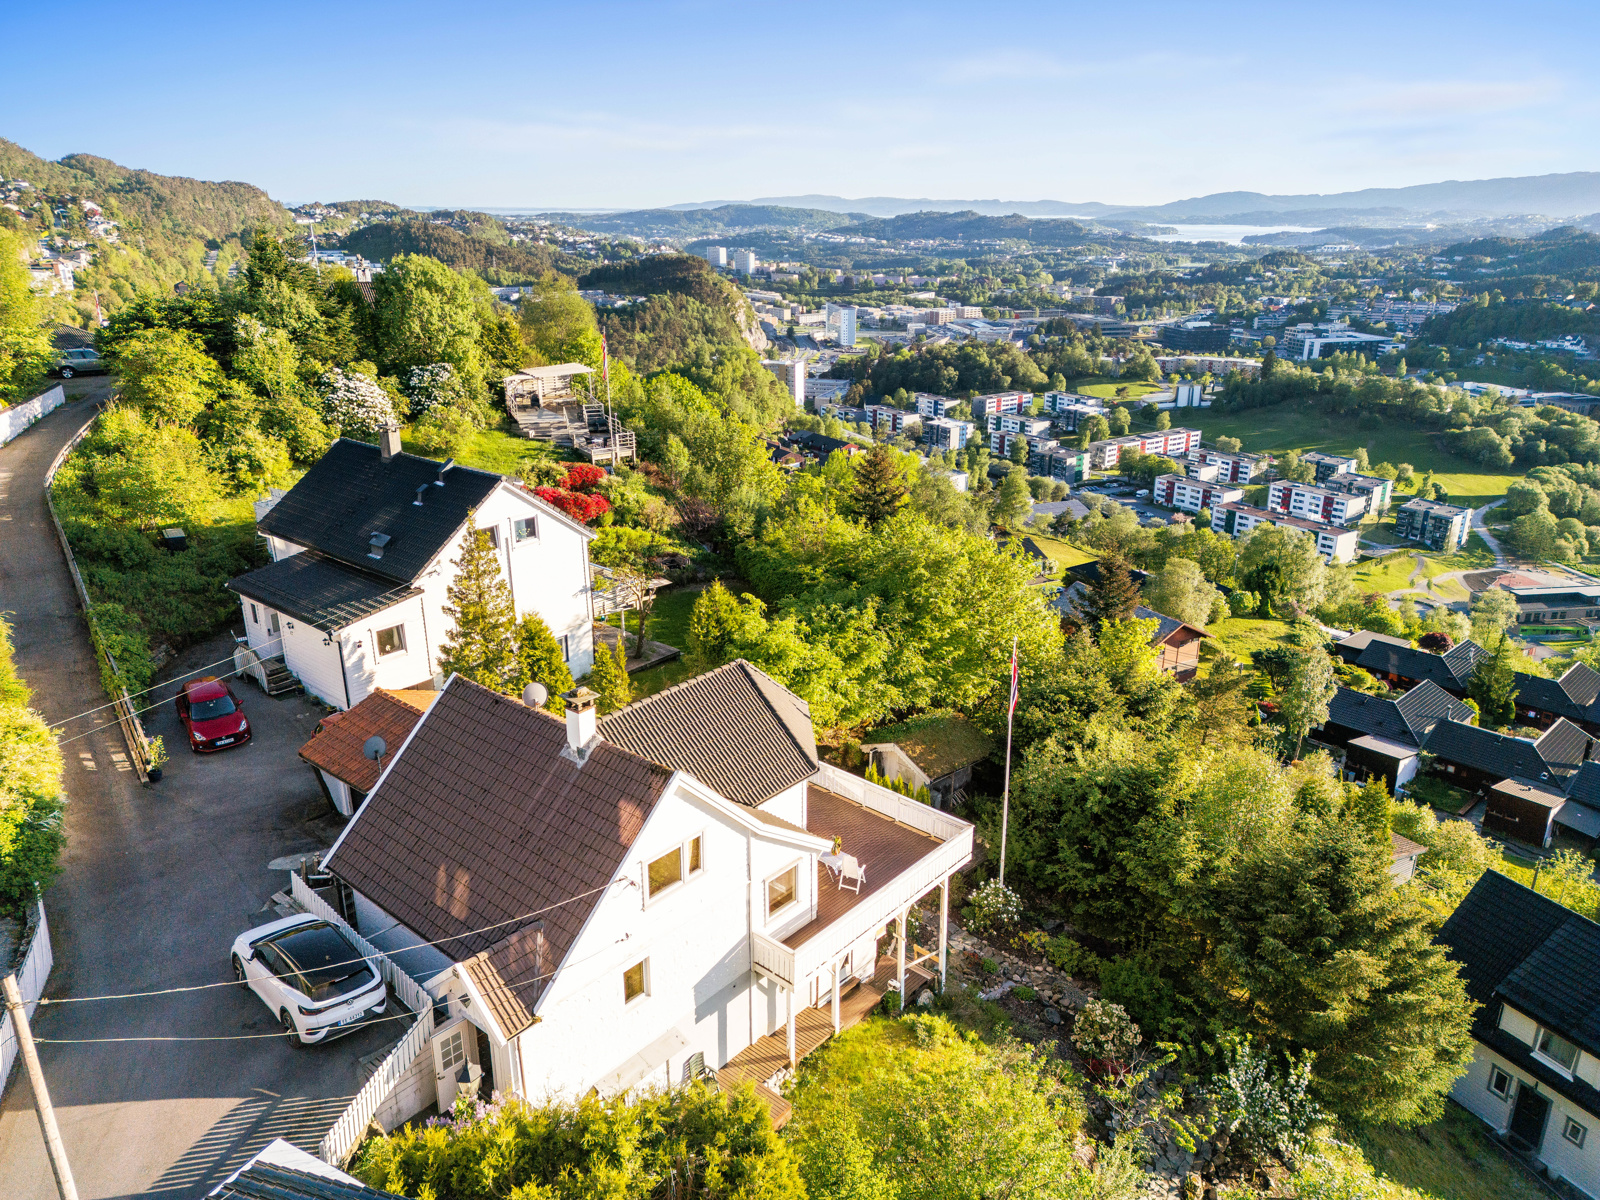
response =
{"points": [[1482, 531], [155, 885]]}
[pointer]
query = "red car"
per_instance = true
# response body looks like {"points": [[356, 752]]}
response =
{"points": [[210, 712]]}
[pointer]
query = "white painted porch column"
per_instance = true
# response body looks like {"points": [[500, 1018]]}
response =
{"points": [[900, 954], [788, 994], [836, 997], [944, 929]]}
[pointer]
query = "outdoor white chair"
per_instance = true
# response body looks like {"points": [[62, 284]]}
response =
{"points": [[851, 874]]}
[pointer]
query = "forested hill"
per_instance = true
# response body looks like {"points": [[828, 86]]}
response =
{"points": [[492, 259], [1567, 251], [144, 203], [700, 222], [689, 307], [966, 226]]}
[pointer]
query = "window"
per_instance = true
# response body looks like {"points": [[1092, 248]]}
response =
{"points": [[693, 855], [255, 615], [634, 983], [782, 891], [1573, 1132], [1557, 1049], [452, 1052], [391, 640], [494, 536], [1499, 1082], [524, 529], [566, 647], [666, 871]]}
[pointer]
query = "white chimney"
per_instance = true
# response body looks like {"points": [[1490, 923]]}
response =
{"points": [[582, 721], [389, 442]]}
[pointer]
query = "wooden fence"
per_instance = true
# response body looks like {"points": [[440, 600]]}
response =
{"points": [[122, 702]]}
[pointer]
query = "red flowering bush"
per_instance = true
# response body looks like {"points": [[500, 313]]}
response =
{"points": [[584, 477], [575, 504]]}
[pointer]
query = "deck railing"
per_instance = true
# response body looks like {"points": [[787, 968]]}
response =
{"points": [[892, 804], [773, 958], [412, 994]]}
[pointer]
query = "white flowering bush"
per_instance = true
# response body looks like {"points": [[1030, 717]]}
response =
{"points": [[993, 906], [435, 384], [1105, 1032], [1265, 1109], [355, 405]]}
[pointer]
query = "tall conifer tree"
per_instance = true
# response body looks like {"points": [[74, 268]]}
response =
{"points": [[480, 645]]}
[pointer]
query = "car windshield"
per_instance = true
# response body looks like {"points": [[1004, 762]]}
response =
{"points": [[326, 960], [207, 710]]}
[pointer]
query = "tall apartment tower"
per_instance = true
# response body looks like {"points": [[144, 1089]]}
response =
{"points": [[745, 262], [841, 323], [717, 256]]}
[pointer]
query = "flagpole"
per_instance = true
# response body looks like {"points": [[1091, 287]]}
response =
{"points": [[1005, 799]]}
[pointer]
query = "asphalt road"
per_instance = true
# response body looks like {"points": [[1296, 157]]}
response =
{"points": [[156, 884]]}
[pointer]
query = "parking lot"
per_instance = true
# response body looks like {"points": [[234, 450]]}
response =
{"points": [[157, 882], [1127, 496]]}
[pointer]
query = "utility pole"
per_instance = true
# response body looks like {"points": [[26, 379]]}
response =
{"points": [[41, 1093]]}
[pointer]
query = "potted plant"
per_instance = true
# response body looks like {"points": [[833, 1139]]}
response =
{"points": [[158, 758]]}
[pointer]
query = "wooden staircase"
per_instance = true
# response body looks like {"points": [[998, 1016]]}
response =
{"points": [[280, 679]]}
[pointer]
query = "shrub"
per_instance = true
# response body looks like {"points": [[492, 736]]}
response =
{"points": [[436, 384], [445, 429], [1264, 1109], [1064, 954], [994, 906], [1242, 604], [355, 405], [1104, 1031]]}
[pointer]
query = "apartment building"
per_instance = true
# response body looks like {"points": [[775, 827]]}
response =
{"points": [[1329, 465], [1231, 468], [1191, 495], [791, 372], [885, 417], [1311, 503], [1375, 488], [839, 321], [1000, 442], [929, 405], [946, 433], [745, 262], [1335, 544], [1441, 527], [1060, 462], [1021, 423], [1000, 402], [717, 256]]}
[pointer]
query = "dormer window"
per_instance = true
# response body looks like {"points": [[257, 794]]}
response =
{"points": [[378, 542], [1556, 1049]]}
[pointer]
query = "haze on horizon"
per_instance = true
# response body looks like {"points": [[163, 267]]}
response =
{"points": [[624, 105]]}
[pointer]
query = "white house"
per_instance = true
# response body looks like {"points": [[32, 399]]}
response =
{"points": [[636, 900], [363, 550], [1534, 967]]}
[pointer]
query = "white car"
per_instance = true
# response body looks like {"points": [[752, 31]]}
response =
{"points": [[310, 975]]}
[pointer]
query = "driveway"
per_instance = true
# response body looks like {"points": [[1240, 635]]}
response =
{"points": [[156, 884], [1482, 530]]}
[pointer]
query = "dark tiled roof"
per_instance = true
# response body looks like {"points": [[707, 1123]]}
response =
{"points": [[267, 1181], [350, 493], [1584, 787], [734, 729], [1571, 696], [1450, 670], [1564, 746], [1487, 751], [321, 591], [1071, 600], [337, 745], [1464, 659], [1405, 720], [1523, 948], [481, 820], [1350, 648]]}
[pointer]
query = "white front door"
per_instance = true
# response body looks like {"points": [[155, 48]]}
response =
{"points": [[454, 1045]]}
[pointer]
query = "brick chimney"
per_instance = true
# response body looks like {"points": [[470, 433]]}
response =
{"points": [[582, 723], [389, 442]]}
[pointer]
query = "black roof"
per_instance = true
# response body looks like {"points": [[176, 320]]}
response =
{"points": [[1584, 787], [1451, 670], [350, 493], [819, 442], [320, 591], [1069, 602], [1526, 950], [267, 1181], [1406, 720], [1547, 761], [1350, 648], [1572, 696]]}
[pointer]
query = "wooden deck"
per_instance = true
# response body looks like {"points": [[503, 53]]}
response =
{"points": [[765, 1062]]}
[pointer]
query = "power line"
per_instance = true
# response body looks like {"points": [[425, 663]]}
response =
{"points": [[151, 688], [455, 937], [136, 712]]}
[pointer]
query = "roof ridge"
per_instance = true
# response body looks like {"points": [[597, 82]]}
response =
{"points": [[751, 671]]}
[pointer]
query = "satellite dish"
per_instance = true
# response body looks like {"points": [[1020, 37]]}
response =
{"points": [[535, 694], [375, 748]]}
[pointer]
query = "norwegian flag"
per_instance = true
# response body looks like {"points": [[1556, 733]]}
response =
{"points": [[1012, 707]]}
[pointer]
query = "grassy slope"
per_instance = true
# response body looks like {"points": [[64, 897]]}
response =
{"points": [[494, 450], [670, 624], [1240, 635], [1294, 427], [1451, 1159]]}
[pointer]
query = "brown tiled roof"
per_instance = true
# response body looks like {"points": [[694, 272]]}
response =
{"points": [[1404, 847], [337, 744], [481, 821], [735, 729], [882, 846]]}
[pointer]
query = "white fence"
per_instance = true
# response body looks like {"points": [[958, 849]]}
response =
{"points": [[18, 417], [891, 804], [347, 1132], [31, 976]]}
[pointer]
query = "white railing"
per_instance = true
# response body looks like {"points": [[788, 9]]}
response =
{"points": [[892, 804], [31, 976], [340, 1141], [773, 958], [411, 993]]}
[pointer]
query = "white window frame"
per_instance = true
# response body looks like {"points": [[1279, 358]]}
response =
{"points": [[494, 535], [255, 614], [644, 990], [1554, 1063], [1567, 1127], [566, 647], [518, 539], [766, 893], [685, 874], [377, 644], [1495, 1073]]}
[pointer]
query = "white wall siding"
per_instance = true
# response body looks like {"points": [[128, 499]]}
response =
{"points": [[1579, 1165], [789, 805], [410, 667], [1472, 1092], [1518, 1025], [314, 662]]}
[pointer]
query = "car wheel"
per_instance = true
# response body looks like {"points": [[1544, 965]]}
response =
{"points": [[289, 1029], [66, 372], [238, 969]]}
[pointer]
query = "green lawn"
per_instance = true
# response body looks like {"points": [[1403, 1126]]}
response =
{"points": [[494, 450], [1387, 573], [1240, 635], [1451, 1159], [1063, 553], [1435, 792], [670, 624], [1106, 389], [1296, 427]]}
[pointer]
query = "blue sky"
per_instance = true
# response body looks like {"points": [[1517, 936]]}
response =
{"points": [[623, 104]]}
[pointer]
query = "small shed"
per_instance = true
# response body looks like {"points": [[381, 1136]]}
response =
{"points": [[541, 385], [1406, 852], [336, 749], [1524, 810], [936, 750], [1394, 762]]}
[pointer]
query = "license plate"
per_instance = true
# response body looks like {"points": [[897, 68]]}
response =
{"points": [[352, 1019], [223, 742]]}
